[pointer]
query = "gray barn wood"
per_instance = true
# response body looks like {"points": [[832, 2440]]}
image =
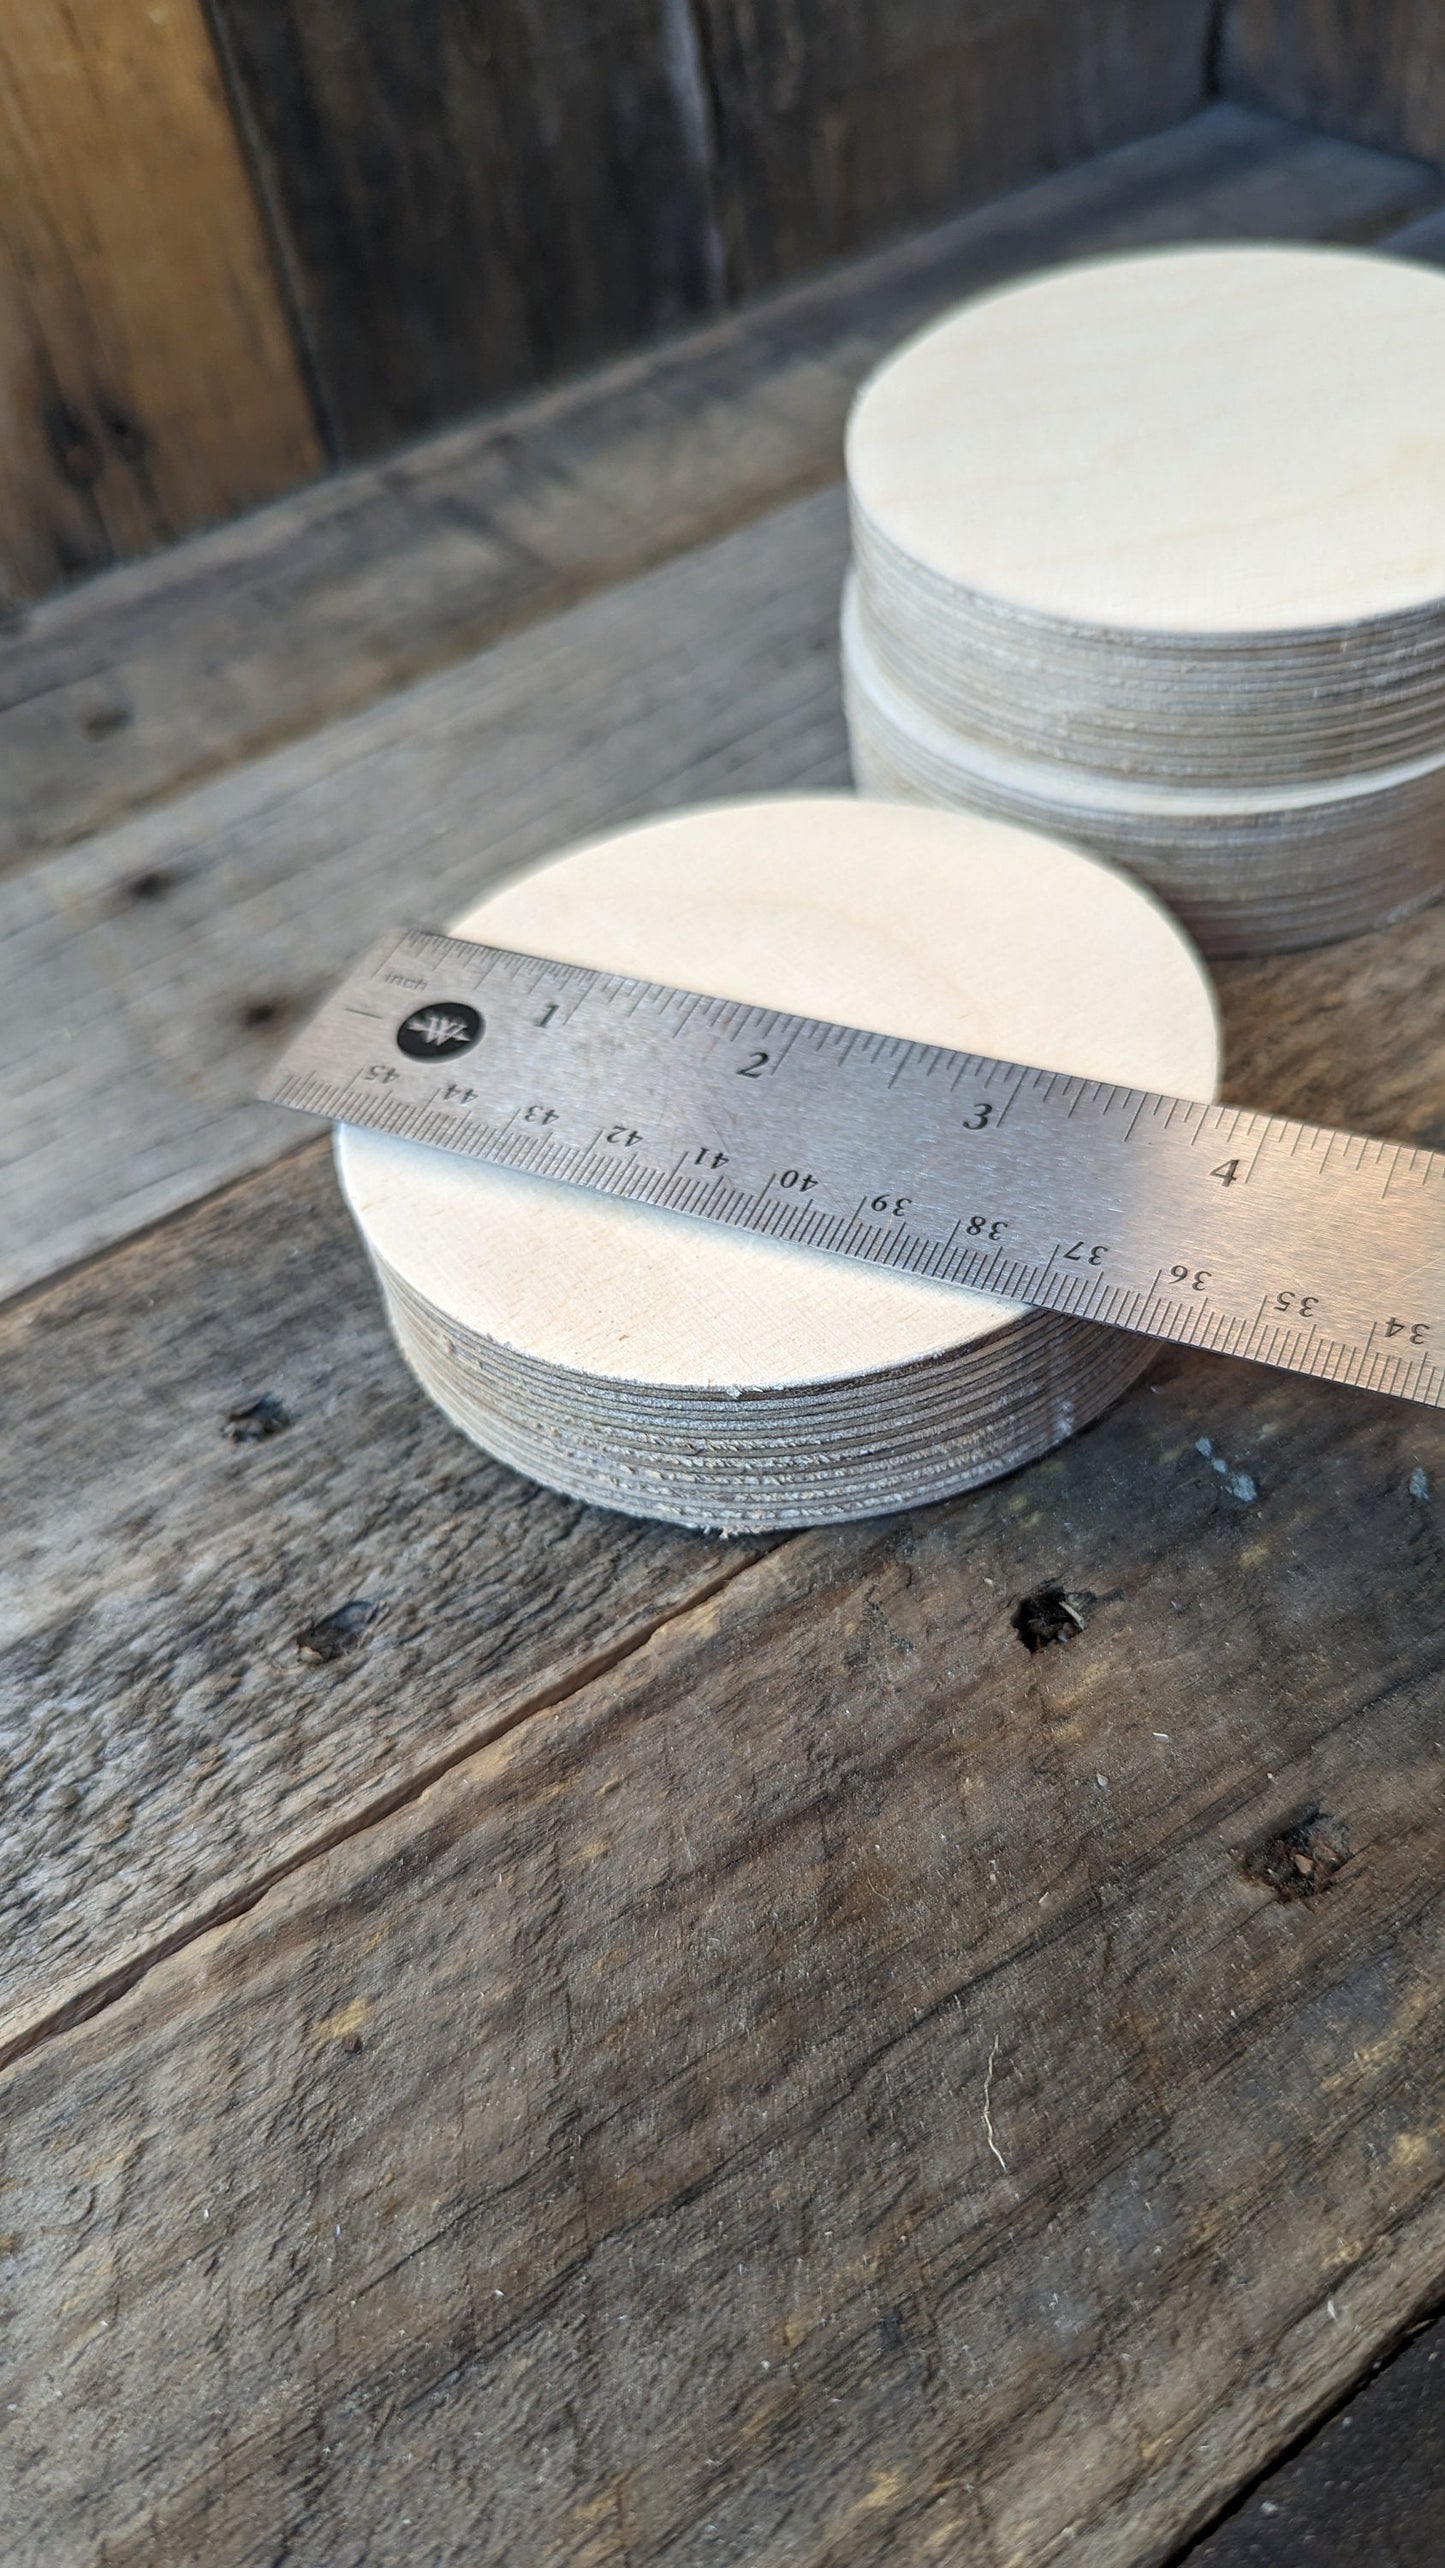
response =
{"points": [[1376, 73], [171, 1732], [834, 2089], [834, 124], [1422, 239]]}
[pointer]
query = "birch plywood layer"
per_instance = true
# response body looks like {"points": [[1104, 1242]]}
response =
{"points": [[1238, 447], [469, 202], [1170, 525], [671, 1368]]}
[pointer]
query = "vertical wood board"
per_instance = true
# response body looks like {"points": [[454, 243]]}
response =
{"points": [[840, 121], [1372, 69], [477, 193], [478, 196], [148, 380]]}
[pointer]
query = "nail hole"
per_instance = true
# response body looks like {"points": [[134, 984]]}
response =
{"points": [[126, 435], [336, 1635], [261, 1418], [1299, 1860], [1053, 1614]]}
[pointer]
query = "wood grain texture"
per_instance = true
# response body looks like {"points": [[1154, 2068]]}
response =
{"points": [[836, 122], [161, 673], [148, 382], [831, 2087], [167, 1740], [156, 968], [831, 2090], [166, 1751], [476, 197], [1251, 368], [1372, 69]]}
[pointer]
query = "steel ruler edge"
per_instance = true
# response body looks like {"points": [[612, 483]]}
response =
{"points": [[1213, 1226]]}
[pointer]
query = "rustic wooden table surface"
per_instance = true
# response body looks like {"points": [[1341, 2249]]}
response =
{"points": [[535, 2037]]}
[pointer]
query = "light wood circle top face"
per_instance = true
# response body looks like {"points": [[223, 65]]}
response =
{"points": [[1236, 440], [936, 925]]}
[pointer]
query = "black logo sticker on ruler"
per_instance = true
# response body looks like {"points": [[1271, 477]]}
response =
{"points": [[439, 1032]]}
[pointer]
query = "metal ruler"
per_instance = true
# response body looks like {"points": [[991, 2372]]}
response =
{"points": [[1244, 1233]]}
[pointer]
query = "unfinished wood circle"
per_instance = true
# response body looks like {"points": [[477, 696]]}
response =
{"points": [[1243, 440], [936, 925]]}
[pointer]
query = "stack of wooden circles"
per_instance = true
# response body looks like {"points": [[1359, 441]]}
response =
{"points": [[670, 1368], [1150, 553]]}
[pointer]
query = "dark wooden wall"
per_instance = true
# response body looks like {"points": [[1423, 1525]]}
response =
{"points": [[838, 121], [475, 194], [242, 238], [1372, 69], [239, 238]]}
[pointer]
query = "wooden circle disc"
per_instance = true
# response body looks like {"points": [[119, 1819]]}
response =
{"points": [[935, 925], [1240, 440]]}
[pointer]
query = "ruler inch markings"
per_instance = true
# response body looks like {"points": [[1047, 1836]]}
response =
{"points": [[1317, 1244]]}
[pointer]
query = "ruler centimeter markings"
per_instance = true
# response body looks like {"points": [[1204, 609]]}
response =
{"points": [[1249, 1234]]}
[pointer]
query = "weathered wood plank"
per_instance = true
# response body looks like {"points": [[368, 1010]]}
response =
{"points": [[148, 382], [474, 200], [836, 122], [167, 1741], [1352, 1035], [156, 676], [149, 974], [166, 1750], [1376, 73], [833, 2090]]}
